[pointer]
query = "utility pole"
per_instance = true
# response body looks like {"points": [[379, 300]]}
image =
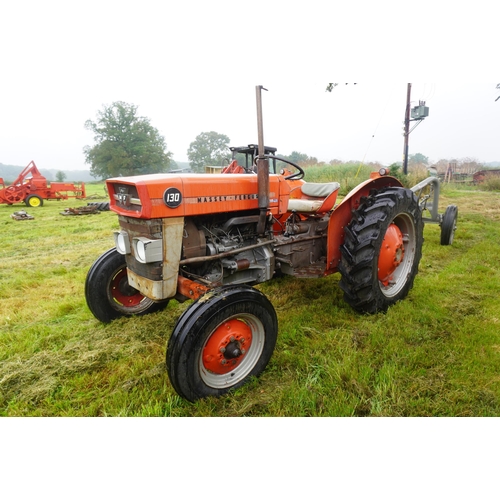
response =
{"points": [[418, 114], [407, 130]]}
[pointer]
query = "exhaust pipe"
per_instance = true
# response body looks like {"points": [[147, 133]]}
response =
{"points": [[262, 167]]}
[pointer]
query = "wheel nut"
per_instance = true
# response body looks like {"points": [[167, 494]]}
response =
{"points": [[222, 350], [223, 362]]}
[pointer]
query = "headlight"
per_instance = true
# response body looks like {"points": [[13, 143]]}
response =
{"points": [[122, 242], [148, 250]]}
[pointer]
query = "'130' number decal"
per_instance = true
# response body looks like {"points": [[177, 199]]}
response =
{"points": [[172, 197]]}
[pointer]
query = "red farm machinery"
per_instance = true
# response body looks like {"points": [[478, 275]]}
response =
{"points": [[31, 188]]}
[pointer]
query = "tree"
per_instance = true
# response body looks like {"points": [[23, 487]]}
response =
{"points": [[418, 159], [60, 176], [208, 148], [297, 157], [126, 144], [301, 159]]}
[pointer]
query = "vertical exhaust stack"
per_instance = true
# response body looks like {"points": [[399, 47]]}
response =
{"points": [[262, 167]]}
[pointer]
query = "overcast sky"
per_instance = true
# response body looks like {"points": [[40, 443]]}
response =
{"points": [[193, 68]]}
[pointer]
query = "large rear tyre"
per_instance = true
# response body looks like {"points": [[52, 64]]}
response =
{"points": [[381, 250], [221, 341], [449, 225], [108, 293]]}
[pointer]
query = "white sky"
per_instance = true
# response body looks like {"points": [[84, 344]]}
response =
{"points": [[193, 68]]}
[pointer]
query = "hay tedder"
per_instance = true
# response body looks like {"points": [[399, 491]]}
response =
{"points": [[210, 238], [31, 187]]}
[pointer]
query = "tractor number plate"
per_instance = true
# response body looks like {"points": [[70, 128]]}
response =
{"points": [[172, 197]]}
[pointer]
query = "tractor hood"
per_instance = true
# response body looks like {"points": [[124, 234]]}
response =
{"points": [[166, 195]]}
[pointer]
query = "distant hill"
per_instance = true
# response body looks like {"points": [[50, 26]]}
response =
{"points": [[492, 164], [9, 173]]}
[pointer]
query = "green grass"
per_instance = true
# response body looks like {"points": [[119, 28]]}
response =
{"points": [[435, 354]]}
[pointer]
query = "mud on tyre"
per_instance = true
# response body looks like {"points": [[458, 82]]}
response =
{"points": [[381, 250]]}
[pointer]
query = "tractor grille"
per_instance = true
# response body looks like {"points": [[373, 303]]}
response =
{"points": [[127, 197]]}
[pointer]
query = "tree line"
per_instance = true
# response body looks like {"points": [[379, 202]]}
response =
{"points": [[126, 144]]}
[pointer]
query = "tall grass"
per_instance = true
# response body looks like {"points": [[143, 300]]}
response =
{"points": [[491, 183], [436, 353], [347, 175]]}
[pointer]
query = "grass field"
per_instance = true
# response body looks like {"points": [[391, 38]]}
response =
{"points": [[435, 354]]}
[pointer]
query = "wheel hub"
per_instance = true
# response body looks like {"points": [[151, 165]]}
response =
{"points": [[233, 350], [124, 288], [227, 346], [122, 292], [391, 254]]}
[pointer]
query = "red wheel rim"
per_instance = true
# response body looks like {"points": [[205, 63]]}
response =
{"points": [[122, 292], [227, 346], [391, 254]]}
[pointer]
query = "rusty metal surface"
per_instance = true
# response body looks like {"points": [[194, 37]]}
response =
{"points": [[21, 215], [88, 210]]}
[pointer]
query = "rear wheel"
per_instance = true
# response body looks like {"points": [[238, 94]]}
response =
{"points": [[221, 341], [108, 293], [33, 200], [381, 250], [449, 225]]}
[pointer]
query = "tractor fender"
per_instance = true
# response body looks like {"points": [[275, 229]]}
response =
{"points": [[342, 215]]}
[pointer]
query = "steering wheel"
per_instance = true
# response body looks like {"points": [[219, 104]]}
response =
{"points": [[296, 176]]}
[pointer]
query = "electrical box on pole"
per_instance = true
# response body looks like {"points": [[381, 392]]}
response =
{"points": [[419, 112]]}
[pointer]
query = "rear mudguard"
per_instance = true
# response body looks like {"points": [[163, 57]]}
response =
{"points": [[342, 215]]}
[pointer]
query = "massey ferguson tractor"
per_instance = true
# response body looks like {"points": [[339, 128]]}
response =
{"points": [[210, 238]]}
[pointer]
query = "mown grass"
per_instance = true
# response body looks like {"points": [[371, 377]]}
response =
{"points": [[435, 354]]}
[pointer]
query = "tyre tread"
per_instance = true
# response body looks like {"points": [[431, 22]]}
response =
{"points": [[361, 247]]}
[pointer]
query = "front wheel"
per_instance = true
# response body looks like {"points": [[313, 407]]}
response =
{"points": [[381, 250], [221, 341], [108, 293]]}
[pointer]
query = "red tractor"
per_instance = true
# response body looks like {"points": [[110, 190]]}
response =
{"points": [[210, 238], [31, 188]]}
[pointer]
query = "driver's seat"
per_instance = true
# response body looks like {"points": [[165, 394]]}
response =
{"points": [[312, 197]]}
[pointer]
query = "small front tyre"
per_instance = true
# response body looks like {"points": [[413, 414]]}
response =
{"points": [[108, 293], [221, 341]]}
